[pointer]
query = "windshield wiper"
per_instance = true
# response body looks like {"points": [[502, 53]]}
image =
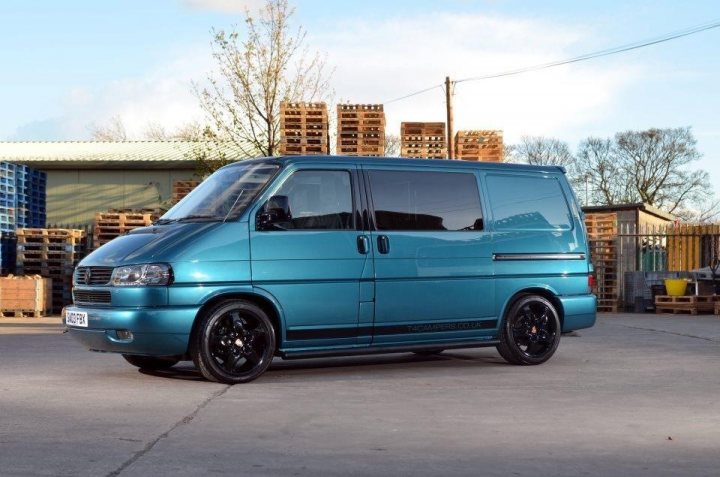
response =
{"points": [[188, 217], [200, 217]]}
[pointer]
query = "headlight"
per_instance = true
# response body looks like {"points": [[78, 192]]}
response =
{"points": [[142, 275]]}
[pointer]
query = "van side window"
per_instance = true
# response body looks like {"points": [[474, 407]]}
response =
{"points": [[418, 200], [527, 203], [318, 200]]}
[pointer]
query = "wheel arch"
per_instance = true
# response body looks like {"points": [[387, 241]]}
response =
{"points": [[266, 303], [536, 290]]}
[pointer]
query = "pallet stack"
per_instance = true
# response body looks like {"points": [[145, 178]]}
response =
{"points": [[692, 304], [25, 297], [602, 241], [22, 204], [361, 130], [114, 223], [479, 145], [423, 140], [8, 253], [304, 129], [51, 253], [182, 188], [31, 188]]}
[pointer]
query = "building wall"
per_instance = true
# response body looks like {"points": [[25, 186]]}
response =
{"points": [[74, 196]]}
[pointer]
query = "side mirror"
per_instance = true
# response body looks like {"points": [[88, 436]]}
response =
{"points": [[276, 209]]}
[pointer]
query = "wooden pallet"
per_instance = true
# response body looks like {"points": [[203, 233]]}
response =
{"points": [[112, 224], [182, 188], [479, 145], [361, 129], [304, 121], [423, 140], [692, 304], [21, 314]]}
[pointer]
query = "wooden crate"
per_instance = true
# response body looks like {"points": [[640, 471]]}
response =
{"points": [[26, 296], [479, 145], [304, 129], [423, 140], [692, 304], [361, 130]]}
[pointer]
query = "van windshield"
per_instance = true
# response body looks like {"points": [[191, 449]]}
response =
{"points": [[222, 196]]}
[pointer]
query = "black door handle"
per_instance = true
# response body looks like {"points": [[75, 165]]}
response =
{"points": [[383, 244], [363, 244]]}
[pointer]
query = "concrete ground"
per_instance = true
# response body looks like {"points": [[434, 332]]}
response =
{"points": [[636, 395]]}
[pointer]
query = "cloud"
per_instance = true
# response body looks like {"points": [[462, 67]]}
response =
{"points": [[379, 61], [376, 62], [225, 6], [163, 96]]}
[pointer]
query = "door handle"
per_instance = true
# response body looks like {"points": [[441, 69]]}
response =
{"points": [[383, 243], [363, 244]]}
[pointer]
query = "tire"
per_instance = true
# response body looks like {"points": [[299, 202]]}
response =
{"points": [[150, 362], [429, 352], [234, 342], [530, 331]]}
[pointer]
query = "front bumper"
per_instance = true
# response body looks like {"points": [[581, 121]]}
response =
{"points": [[154, 331]]}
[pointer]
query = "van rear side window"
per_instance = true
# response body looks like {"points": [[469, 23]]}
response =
{"points": [[417, 200], [528, 203]]}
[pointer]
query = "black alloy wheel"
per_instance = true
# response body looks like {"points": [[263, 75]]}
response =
{"points": [[150, 362], [234, 342], [530, 333]]}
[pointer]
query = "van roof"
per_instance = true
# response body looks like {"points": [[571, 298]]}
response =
{"points": [[407, 162]]}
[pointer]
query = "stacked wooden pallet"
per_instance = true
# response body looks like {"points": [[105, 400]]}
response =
{"points": [[112, 224], [692, 304], [182, 188], [479, 145], [25, 297], [361, 130], [423, 140], [304, 129], [602, 240], [51, 253]]}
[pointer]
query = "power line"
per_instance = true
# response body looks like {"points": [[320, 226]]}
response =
{"points": [[588, 56]]}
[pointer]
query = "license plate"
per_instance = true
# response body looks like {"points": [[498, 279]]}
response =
{"points": [[76, 318]]}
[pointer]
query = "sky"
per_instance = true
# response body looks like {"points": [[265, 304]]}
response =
{"points": [[66, 66]]}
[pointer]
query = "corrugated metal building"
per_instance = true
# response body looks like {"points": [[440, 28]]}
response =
{"points": [[85, 177]]}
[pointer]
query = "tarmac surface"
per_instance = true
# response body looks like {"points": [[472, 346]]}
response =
{"points": [[635, 395]]}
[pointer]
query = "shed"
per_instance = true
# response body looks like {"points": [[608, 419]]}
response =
{"points": [[85, 177]]}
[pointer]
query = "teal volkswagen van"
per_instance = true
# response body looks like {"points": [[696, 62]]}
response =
{"points": [[302, 257]]}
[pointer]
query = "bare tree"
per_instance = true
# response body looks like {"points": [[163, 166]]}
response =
{"points": [[392, 145], [649, 166], [706, 211], [541, 151], [256, 71], [597, 172], [113, 130], [192, 131], [156, 132], [655, 162]]}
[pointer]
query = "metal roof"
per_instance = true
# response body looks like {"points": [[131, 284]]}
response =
{"points": [[92, 154], [635, 206]]}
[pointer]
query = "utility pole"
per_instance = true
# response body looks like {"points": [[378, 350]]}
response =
{"points": [[449, 86]]}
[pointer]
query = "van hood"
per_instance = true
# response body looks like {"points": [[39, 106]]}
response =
{"points": [[163, 243]]}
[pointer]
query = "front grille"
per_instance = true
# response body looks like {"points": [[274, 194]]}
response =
{"points": [[91, 297], [93, 275]]}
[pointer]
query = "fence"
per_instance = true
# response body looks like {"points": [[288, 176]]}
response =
{"points": [[646, 255]]}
